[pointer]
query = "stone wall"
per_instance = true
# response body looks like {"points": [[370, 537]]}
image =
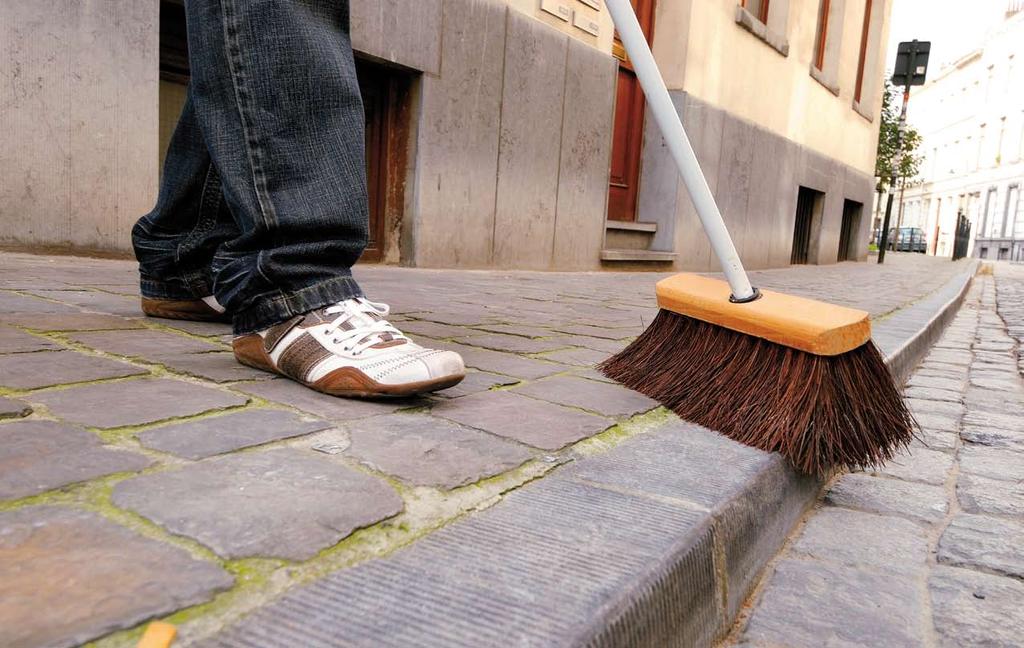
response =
{"points": [[513, 140], [755, 176], [78, 109], [509, 143]]}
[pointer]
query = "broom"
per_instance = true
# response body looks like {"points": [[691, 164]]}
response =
{"points": [[777, 372]]}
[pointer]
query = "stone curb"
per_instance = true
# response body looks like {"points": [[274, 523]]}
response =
{"points": [[903, 359], [656, 542]]}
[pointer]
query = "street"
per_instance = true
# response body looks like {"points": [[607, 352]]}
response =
{"points": [[223, 487]]}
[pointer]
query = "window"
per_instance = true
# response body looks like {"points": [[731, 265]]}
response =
{"points": [[1020, 139], [1010, 214], [822, 37], [767, 20], [862, 61], [981, 147], [999, 142], [758, 8], [987, 224], [827, 44]]}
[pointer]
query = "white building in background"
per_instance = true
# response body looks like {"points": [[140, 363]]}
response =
{"points": [[971, 117]]}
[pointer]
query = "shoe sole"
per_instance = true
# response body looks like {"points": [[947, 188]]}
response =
{"points": [[257, 359], [192, 310]]}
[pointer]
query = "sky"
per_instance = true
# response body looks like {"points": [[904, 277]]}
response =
{"points": [[954, 27]]}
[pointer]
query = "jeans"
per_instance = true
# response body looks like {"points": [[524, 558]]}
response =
{"points": [[263, 199]]}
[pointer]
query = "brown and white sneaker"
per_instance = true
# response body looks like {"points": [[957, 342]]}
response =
{"points": [[196, 310], [349, 349]]}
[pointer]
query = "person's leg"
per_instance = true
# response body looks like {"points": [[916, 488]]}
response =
{"points": [[176, 241], [278, 104]]}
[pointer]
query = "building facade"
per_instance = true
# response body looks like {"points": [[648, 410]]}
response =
{"points": [[500, 133], [971, 118]]}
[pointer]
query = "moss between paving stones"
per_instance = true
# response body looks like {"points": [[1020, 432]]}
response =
{"points": [[258, 580], [426, 510]]}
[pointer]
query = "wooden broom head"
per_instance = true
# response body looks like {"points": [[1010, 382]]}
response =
{"points": [[804, 324]]}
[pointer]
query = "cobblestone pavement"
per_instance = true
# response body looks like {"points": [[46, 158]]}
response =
{"points": [[145, 474], [928, 551]]}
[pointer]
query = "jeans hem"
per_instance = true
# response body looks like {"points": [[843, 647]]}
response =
{"points": [[274, 308], [193, 286]]}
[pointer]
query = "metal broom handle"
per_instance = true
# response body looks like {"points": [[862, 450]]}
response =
{"points": [[679, 145]]}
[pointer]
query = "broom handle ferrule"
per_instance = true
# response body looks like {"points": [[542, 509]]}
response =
{"points": [[678, 143]]}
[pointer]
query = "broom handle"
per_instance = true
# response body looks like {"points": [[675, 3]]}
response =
{"points": [[679, 145]]}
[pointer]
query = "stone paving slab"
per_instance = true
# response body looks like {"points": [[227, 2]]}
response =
{"points": [[15, 304], [221, 434], [506, 363], [577, 357], [513, 343], [859, 539], [602, 398], [536, 423], [429, 451], [975, 609], [94, 300], [134, 402], [37, 456], [63, 579], [929, 466], [49, 368], [14, 341], [990, 496], [889, 496], [202, 329], [858, 608], [986, 542], [219, 366], [144, 343], [992, 462], [288, 392], [279, 503], [475, 382], [10, 408], [73, 322]]}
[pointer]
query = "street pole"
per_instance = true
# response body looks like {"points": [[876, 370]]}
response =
{"points": [[884, 243], [911, 68]]}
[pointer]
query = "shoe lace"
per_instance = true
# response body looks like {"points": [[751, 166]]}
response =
{"points": [[360, 325]]}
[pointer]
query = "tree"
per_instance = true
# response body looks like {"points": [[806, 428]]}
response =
{"points": [[891, 145]]}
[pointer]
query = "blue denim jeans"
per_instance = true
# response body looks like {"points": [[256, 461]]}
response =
{"points": [[263, 200]]}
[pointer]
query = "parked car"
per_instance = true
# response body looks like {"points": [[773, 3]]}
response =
{"points": [[911, 239]]}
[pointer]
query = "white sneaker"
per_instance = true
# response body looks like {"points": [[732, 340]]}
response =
{"points": [[349, 349]]}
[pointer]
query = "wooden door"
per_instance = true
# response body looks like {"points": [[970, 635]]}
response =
{"points": [[628, 139]]}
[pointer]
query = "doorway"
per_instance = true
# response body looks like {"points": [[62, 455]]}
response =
{"points": [[848, 230], [385, 91], [628, 138], [808, 206]]}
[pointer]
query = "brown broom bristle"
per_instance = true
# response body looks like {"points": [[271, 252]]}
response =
{"points": [[822, 413]]}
